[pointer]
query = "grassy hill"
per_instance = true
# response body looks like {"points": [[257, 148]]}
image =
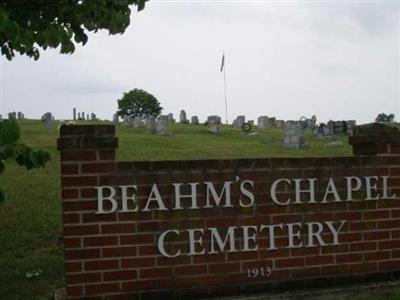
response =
{"points": [[30, 220]]}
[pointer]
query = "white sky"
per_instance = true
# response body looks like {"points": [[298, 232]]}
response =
{"points": [[335, 59]]}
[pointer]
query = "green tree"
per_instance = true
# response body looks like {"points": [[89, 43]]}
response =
{"points": [[10, 148], [28, 25], [139, 103]]}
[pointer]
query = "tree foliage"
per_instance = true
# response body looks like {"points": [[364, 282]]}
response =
{"points": [[10, 148], [28, 25], [384, 118], [139, 103]]}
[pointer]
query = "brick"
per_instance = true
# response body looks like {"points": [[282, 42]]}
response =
{"points": [[349, 258], [119, 252], [319, 260], [175, 261], [76, 206], [73, 267], [335, 269], [91, 168], [190, 270], [155, 273], [88, 193], [137, 239], [83, 278], [100, 241], [118, 228], [139, 262], [364, 267], [74, 291], [101, 288], [81, 230], [223, 268], [139, 285], [95, 265], [69, 193], [380, 255], [79, 181], [289, 263], [377, 214], [364, 246], [376, 235], [71, 218], [78, 155], [72, 242], [98, 218], [120, 275], [392, 224], [395, 244], [305, 272], [106, 154], [67, 169], [79, 254]]}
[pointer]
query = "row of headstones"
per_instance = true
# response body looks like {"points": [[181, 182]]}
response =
{"points": [[294, 134], [81, 116], [333, 128], [16, 115], [161, 124], [272, 122]]}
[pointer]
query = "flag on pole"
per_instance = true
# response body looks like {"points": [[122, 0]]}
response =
{"points": [[222, 62]]}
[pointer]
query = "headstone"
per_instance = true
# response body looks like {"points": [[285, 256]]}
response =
{"points": [[48, 119], [312, 122], [214, 124], [294, 137], [151, 125], [137, 122], [239, 121], [163, 125], [322, 131], [74, 114], [171, 118], [262, 122], [280, 123], [195, 120], [182, 117], [271, 122]]}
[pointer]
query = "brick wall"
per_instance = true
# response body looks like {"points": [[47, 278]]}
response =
{"points": [[115, 255]]}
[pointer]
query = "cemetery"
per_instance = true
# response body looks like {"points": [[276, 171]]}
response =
{"points": [[226, 151], [183, 142]]}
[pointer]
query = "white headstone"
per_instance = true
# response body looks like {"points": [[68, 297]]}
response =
{"points": [[214, 124], [151, 125], [182, 116], [163, 125]]}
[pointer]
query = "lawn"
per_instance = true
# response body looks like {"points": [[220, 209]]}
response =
{"points": [[30, 219]]}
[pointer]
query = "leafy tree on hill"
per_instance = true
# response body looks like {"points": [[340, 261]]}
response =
{"points": [[139, 103], [27, 25]]}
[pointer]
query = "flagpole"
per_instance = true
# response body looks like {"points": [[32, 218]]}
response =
{"points": [[226, 97]]}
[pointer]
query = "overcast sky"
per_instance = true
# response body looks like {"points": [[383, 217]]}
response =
{"points": [[335, 59]]}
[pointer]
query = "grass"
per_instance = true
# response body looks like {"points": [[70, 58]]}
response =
{"points": [[30, 220]]}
